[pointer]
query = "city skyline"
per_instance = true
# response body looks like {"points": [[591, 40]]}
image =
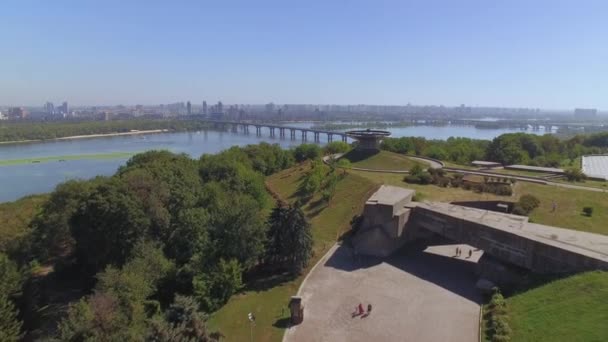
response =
{"points": [[547, 55]]}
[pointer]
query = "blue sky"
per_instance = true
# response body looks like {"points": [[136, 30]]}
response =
{"points": [[547, 54]]}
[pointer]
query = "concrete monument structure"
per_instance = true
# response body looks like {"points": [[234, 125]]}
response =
{"points": [[368, 139], [391, 219]]}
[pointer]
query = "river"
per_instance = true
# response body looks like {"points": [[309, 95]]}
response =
{"points": [[28, 178]]}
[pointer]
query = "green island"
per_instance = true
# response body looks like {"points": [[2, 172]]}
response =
{"points": [[219, 262], [95, 156]]}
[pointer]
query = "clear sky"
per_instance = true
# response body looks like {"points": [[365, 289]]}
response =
{"points": [[547, 54]]}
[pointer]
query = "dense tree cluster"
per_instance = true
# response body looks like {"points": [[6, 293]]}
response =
{"points": [[19, 131], [512, 148], [164, 229]]}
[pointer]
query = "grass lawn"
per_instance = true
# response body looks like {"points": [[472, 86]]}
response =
{"points": [[15, 218], [381, 160], [268, 299], [112, 155], [589, 182], [569, 309], [570, 202]]}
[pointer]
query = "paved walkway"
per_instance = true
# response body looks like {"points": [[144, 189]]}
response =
{"points": [[418, 297]]}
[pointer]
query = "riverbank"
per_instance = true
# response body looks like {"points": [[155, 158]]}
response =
{"points": [[88, 136]]}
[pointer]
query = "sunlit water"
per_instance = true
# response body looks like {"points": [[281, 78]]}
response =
{"points": [[24, 179]]}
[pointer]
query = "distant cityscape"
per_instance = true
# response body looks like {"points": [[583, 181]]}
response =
{"points": [[286, 112]]}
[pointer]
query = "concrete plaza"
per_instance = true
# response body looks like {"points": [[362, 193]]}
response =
{"points": [[415, 296]]}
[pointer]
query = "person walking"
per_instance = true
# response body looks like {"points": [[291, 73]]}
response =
{"points": [[470, 253], [369, 309], [361, 309]]}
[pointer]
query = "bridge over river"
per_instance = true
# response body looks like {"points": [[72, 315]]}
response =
{"points": [[244, 126]]}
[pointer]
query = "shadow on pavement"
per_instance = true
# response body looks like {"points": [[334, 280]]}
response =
{"points": [[454, 275]]}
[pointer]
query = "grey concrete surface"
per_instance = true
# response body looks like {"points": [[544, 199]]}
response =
{"points": [[416, 296]]}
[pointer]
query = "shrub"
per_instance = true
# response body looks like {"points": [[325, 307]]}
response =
{"points": [[416, 170], [526, 204], [411, 179], [574, 175], [425, 178], [588, 211], [504, 190]]}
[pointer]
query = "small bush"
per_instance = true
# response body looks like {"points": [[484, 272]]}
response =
{"points": [[411, 179], [588, 211], [504, 190], [574, 175], [518, 210], [425, 178], [527, 203]]}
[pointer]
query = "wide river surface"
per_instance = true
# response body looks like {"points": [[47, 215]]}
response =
{"points": [[30, 178]]}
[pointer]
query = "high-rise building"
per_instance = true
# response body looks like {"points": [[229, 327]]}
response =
{"points": [[189, 108], [64, 110], [220, 107], [49, 108], [205, 108]]}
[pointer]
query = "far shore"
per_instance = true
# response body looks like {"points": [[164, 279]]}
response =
{"points": [[88, 136]]}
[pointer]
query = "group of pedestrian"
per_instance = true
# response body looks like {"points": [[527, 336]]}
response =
{"points": [[359, 311], [459, 252]]}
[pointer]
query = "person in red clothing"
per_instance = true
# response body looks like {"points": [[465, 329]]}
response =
{"points": [[361, 309]]}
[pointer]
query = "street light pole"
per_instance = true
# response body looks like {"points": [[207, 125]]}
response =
{"points": [[251, 318]]}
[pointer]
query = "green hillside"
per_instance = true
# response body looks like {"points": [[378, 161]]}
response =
{"points": [[380, 160], [569, 309]]}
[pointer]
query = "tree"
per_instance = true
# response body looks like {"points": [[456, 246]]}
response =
{"points": [[181, 322], [214, 288], [336, 147], [116, 310], [10, 325], [290, 240], [574, 175], [190, 235], [236, 227], [307, 152], [107, 226], [10, 285], [51, 227]]}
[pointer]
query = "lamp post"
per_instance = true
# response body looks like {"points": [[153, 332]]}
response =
{"points": [[251, 318]]}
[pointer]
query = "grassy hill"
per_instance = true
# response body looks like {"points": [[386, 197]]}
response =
{"points": [[570, 309], [380, 160], [267, 298]]}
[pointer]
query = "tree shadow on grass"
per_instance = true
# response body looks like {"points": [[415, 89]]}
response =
{"points": [[267, 282]]}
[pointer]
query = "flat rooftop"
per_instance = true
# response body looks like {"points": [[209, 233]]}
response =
{"points": [[588, 244], [595, 166], [389, 195], [535, 168]]}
